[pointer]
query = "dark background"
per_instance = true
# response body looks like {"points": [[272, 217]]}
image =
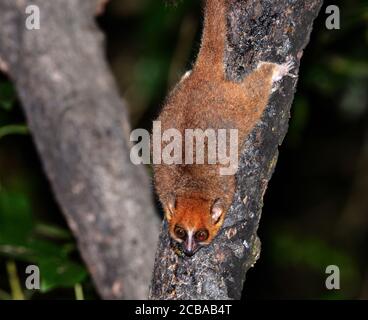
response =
{"points": [[316, 206]]}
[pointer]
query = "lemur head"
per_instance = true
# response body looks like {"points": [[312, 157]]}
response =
{"points": [[194, 222]]}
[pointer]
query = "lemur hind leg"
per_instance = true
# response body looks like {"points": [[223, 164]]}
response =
{"points": [[260, 83]]}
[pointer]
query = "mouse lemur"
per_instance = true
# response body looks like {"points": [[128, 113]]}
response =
{"points": [[196, 197]]}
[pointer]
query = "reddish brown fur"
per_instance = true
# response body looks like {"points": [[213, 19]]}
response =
{"points": [[205, 99], [187, 208]]}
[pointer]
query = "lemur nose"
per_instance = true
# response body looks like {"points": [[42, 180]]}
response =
{"points": [[189, 253]]}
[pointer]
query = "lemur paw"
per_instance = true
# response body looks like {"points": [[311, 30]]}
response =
{"points": [[283, 70]]}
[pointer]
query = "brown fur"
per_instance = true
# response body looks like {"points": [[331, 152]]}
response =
{"points": [[189, 207], [205, 99]]}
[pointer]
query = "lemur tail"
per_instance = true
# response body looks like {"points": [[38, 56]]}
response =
{"points": [[210, 59]]}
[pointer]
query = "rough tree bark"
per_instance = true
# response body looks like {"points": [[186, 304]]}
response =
{"points": [[81, 129], [266, 30]]}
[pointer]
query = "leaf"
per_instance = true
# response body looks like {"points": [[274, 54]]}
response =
{"points": [[24, 239], [59, 273], [51, 231], [56, 267], [16, 221], [13, 129]]}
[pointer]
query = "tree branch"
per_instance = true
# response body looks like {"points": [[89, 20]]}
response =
{"points": [[265, 30], [81, 129]]}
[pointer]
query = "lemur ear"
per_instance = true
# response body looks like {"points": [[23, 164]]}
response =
{"points": [[217, 211], [170, 206]]}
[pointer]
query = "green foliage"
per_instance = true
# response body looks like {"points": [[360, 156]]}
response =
{"points": [[49, 247], [313, 253], [7, 96], [13, 129], [7, 101]]}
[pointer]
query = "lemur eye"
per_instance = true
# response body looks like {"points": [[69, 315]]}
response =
{"points": [[180, 233], [201, 235]]}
